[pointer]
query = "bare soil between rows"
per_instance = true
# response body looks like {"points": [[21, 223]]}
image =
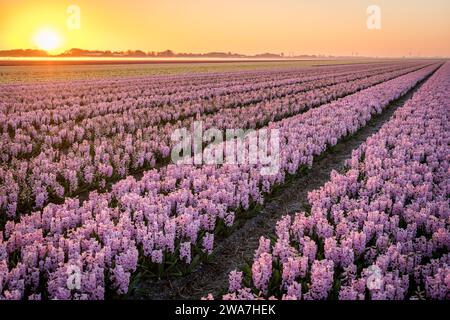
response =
{"points": [[233, 251]]}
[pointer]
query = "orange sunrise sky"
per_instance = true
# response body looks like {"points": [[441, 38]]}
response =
{"points": [[332, 27]]}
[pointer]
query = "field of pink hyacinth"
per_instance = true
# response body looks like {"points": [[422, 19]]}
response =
{"points": [[88, 190], [378, 231]]}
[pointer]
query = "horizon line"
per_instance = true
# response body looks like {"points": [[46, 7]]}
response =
{"points": [[168, 53]]}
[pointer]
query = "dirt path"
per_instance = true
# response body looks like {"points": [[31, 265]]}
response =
{"points": [[233, 251]]}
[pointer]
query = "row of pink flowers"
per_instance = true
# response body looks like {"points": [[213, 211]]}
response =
{"points": [[379, 231], [23, 98], [106, 148], [36, 128]]}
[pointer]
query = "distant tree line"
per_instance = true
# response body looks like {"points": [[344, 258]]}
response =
{"points": [[76, 52]]}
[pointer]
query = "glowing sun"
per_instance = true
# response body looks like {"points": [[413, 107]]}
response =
{"points": [[47, 40]]}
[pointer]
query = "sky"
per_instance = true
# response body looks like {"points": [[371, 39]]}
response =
{"points": [[330, 27]]}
